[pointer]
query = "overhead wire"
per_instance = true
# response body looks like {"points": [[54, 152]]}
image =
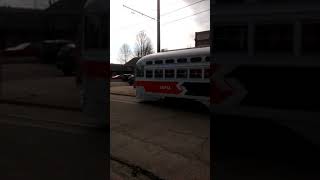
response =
{"points": [[164, 14], [185, 17]]}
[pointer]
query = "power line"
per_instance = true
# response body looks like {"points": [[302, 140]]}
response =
{"points": [[186, 17], [182, 7], [138, 12]]}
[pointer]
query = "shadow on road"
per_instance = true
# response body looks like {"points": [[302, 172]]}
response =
{"points": [[180, 105]]}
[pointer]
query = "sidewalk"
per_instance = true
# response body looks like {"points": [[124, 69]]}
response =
{"points": [[18, 60], [38, 150], [123, 90], [55, 92]]}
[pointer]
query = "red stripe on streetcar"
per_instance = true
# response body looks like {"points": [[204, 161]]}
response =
{"points": [[95, 69], [159, 87]]}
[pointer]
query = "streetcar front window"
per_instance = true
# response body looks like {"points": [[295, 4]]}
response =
{"points": [[140, 72], [149, 74]]}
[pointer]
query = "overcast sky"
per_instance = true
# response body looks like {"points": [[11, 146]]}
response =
{"points": [[125, 24]]}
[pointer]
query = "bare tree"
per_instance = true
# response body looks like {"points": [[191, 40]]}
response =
{"points": [[143, 45], [125, 53]]}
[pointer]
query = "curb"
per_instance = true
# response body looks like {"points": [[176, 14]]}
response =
{"points": [[15, 61], [21, 103], [120, 94]]}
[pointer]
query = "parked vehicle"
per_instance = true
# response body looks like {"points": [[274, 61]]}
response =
{"points": [[125, 77], [66, 60], [27, 49], [51, 48], [116, 77], [131, 80]]}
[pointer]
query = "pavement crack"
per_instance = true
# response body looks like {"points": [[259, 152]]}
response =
{"points": [[136, 170], [202, 151], [187, 134], [144, 140]]}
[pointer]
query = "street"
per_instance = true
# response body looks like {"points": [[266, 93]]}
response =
{"points": [[46, 136], [171, 143], [41, 117], [36, 147]]}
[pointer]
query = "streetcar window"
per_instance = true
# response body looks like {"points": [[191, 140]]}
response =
{"points": [[196, 59], [169, 73], [195, 73], [158, 62], [206, 73], [148, 62], [169, 61], [158, 73], [139, 72], [207, 59], [182, 60], [182, 73], [149, 73]]}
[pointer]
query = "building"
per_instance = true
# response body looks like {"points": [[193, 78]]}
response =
{"points": [[202, 39], [117, 69], [132, 64]]}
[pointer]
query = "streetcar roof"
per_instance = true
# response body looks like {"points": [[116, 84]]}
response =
{"points": [[177, 54]]}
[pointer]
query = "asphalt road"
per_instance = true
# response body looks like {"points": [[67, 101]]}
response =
{"points": [[164, 138], [169, 144], [34, 148], [168, 140]]}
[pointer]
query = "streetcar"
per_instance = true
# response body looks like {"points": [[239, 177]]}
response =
{"points": [[178, 74]]}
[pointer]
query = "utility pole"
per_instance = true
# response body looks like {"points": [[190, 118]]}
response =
{"points": [[158, 26]]}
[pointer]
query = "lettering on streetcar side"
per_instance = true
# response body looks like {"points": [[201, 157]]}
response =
{"points": [[165, 87]]}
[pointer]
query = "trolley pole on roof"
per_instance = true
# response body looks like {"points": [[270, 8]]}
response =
{"points": [[158, 25]]}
